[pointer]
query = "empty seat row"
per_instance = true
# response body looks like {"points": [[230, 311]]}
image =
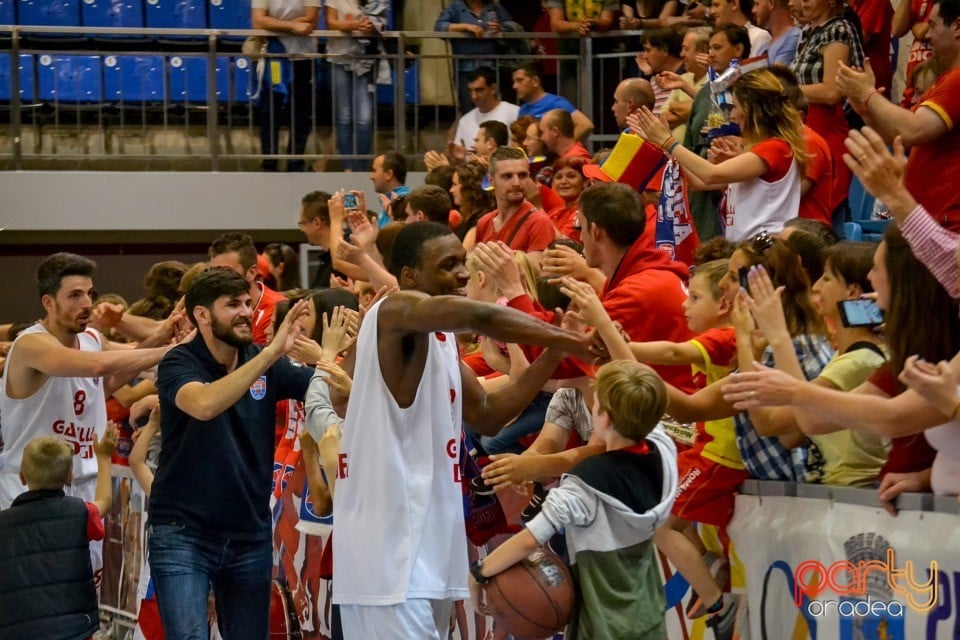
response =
{"points": [[83, 79], [152, 14]]}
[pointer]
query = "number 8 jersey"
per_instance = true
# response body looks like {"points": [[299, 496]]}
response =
{"points": [[70, 408]]}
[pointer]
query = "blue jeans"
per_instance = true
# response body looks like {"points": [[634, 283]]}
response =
{"points": [[353, 113], [184, 564], [530, 421], [296, 110]]}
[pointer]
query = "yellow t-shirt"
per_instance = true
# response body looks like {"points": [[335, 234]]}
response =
{"points": [[848, 458], [718, 437]]}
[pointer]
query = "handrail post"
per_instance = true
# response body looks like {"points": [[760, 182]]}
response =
{"points": [[400, 96], [212, 116], [16, 128], [585, 75]]}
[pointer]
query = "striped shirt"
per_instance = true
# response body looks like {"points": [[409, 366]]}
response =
{"points": [[934, 246]]}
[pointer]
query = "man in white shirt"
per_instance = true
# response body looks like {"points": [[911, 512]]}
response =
{"points": [[736, 12], [488, 106]]}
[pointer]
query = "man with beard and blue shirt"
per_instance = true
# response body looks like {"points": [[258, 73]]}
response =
{"points": [[209, 504]]}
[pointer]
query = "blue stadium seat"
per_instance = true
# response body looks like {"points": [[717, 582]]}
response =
{"points": [[411, 86], [64, 78], [188, 79], [26, 78], [861, 202], [176, 14], [861, 209], [8, 14], [112, 13], [852, 231], [244, 79], [49, 13], [133, 80], [229, 14]]}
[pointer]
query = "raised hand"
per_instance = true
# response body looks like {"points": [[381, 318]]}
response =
{"points": [[104, 448], [761, 387], [338, 379], [937, 383], [880, 172], [335, 330]]}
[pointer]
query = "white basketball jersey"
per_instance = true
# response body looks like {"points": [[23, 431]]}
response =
{"points": [[398, 507], [70, 408]]}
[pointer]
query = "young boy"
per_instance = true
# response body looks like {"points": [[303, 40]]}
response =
{"points": [[609, 506], [46, 577], [712, 469]]}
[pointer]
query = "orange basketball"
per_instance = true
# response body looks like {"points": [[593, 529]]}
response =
{"points": [[534, 598]]}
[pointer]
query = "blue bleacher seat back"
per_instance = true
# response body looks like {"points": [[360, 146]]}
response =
{"points": [[176, 14], [133, 79], [411, 86], [112, 13], [188, 79], [861, 202], [26, 78], [852, 232], [65, 78], [229, 14], [8, 12], [49, 13], [244, 75]]}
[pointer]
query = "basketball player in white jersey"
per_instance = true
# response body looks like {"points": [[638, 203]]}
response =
{"points": [[59, 373], [399, 462]]}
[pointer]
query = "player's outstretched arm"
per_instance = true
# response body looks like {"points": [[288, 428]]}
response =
{"points": [[415, 312], [45, 354]]}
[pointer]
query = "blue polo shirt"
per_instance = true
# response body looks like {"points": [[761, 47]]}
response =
{"points": [[548, 102], [214, 476]]}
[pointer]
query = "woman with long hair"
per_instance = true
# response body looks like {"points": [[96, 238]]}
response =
{"points": [[921, 323], [284, 265], [764, 181], [836, 455], [569, 183], [471, 200]]}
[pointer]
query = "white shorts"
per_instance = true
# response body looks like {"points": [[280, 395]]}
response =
{"points": [[417, 618]]}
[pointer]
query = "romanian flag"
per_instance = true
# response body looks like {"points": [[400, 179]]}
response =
{"points": [[632, 162]]}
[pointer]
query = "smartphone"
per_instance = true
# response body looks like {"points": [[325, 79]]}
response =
{"points": [[862, 312], [744, 274], [350, 201]]}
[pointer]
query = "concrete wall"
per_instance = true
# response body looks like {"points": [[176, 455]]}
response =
{"points": [[128, 221]]}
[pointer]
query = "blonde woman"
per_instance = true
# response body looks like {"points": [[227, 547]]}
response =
{"points": [[763, 182]]}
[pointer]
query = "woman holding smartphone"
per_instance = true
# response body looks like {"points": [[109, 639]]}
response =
{"points": [[921, 323], [836, 456]]}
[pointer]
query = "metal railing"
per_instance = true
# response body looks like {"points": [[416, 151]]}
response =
{"points": [[48, 127]]}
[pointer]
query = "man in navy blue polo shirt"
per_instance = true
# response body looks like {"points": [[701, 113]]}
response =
{"points": [[209, 503]]}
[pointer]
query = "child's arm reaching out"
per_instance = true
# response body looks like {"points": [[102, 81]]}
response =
{"points": [[103, 449]]}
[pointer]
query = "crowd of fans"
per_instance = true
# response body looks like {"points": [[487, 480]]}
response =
{"points": [[703, 245]]}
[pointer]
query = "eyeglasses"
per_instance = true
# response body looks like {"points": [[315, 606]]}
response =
{"points": [[301, 223], [761, 242]]}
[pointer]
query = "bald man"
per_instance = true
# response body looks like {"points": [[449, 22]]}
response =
{"points": [[556, 133], [630, 95]]}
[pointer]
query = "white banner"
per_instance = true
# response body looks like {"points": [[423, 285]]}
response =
{"points": [[822, 570]]}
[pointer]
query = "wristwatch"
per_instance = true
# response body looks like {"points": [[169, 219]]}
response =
{"points": [[476, 570]]}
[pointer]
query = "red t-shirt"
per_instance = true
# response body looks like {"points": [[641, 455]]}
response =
{"points": [[933, 169], [777, 155], [579, 151], [564, 218], [876, 20], [95, 528], [817, 203], [720, 344], [263, 314], [909, 453], [549, 199], [536, 233]]}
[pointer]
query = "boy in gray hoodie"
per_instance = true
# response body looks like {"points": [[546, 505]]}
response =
{"points": [[609, 507]]}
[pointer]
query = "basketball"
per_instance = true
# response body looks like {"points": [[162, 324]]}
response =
{"points": [[534, 598]]}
